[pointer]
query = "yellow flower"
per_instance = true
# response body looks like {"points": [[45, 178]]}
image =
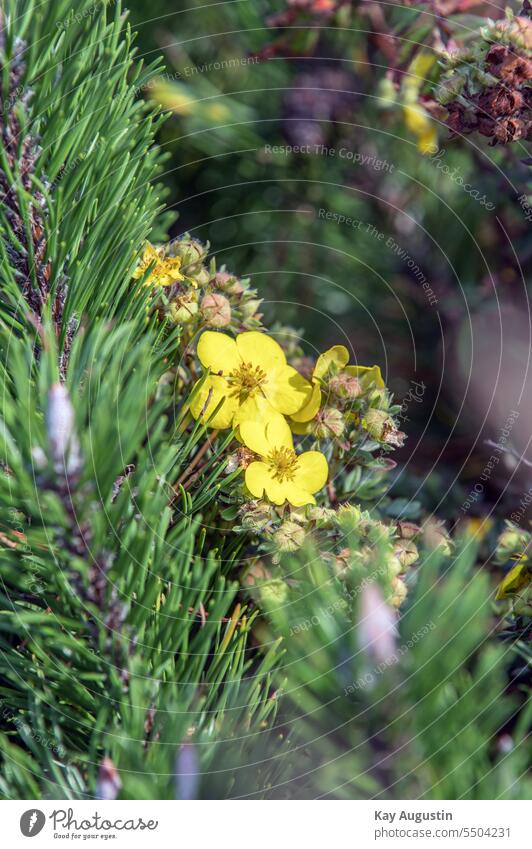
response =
{"points": [[334, 360], [250, 375], [165, 271], [281, 474], [516, 580], [418, 121]]}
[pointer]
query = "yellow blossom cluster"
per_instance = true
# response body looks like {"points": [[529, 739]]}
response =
{"points": [[249, 386], [163, 270]]}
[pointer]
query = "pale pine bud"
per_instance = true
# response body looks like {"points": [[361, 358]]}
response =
{"points": [[60, 427], [186, 774], [377, 625], [108, 784], [216, 310]]}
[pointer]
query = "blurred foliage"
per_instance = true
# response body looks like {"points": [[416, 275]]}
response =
{"points": [[360, 232]]}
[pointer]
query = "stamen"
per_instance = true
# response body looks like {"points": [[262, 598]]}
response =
{"points": [[245, 380], [283, 463]]}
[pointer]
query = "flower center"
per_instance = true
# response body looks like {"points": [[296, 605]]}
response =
{"points": [[245, 380], [283, 463]]}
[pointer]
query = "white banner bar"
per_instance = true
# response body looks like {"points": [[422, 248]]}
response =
{"points": [[263, 825]]}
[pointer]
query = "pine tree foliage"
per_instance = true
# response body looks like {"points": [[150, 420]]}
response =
{"points": [[418, 721], [108, 599]]}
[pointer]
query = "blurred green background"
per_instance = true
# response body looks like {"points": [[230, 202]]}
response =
{"points": [[428, 243]]}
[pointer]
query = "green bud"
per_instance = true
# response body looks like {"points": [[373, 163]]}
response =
{"points": [[328, 424], [406, 552], [289, 537], [512, 541], [183, 309]]}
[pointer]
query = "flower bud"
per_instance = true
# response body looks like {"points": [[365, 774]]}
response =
{"points": [[434, 536], [273, 592], [342, 563], [348, 517], [250, 308], [406, 552], [512, 541], [183, 308], [345, 385], [254, 515], [321, 515], [191, 251], [386, 93], [328, 424], [382, 427], [201, 276], [216, 310], [407, 530], [239, 459], [289, 537], [268, 589], [228, 283], [399, 592], [394, 566]]}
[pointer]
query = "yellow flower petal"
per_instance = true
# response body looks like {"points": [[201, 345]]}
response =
{"points": [[278, 433], [259, 481], [311, 407], [286, 390], [515, 580], [256, 476], [338, 354], [312, 471], [367, 374], [298, 497], [256, 408], [214, 390], [300, 428], [260, 350], [218, 352], [420, 124], [275, 491], [253, 435]]}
